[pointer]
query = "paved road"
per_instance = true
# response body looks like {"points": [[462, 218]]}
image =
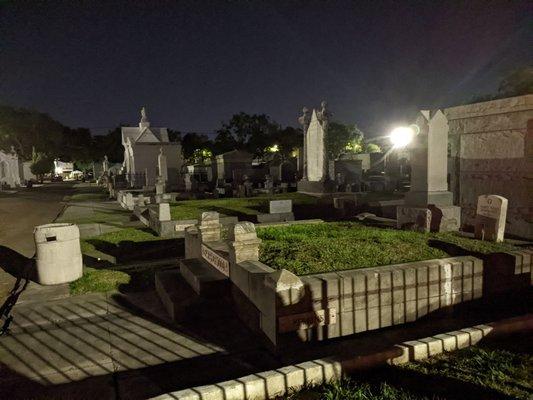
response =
{"points": [[22, 211], [19, 213]]}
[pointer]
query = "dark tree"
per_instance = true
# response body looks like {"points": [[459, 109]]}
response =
{"points": [[253, 133], [193, 144], [27, 129]]}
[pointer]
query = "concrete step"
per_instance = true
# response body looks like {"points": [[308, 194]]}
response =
{"points": [[183, 303], [203, 278]]}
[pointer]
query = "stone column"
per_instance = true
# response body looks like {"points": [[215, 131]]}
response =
{"points": [[304, 121], [243, 243], [209, 227]]}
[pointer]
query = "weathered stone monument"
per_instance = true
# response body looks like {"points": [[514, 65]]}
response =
{"points": [[105, 165], [164, 212], [491, 148], [429, 204], [491, 214], [162, 165], [9, 169], [149, 152], [315, 172]]}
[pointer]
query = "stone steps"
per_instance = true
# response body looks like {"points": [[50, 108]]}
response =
{"points": [[183, 303], [203, 278]]}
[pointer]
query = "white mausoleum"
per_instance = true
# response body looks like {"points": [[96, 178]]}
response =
{"points": [[143, 147], [9, 169]]}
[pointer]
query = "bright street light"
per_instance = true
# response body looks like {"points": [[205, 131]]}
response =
{"points": [[402, 136]]}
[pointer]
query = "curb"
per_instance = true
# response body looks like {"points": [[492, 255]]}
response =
{"points": [[269, 384]]}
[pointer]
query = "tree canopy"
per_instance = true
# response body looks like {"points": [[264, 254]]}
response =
{"points": [[516, 83]]}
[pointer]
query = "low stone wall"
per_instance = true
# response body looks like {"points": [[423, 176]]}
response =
{"points": [[149, 216], [284, 307], [324, 306], [508, 271]]}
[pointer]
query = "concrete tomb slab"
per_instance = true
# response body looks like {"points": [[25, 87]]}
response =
{"points": [[280, 206]]}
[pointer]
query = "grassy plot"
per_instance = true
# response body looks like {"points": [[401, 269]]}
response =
{"points": [[190, 209], [324, 247], [124, 241], [114, 239], [474, 372], [507, 372], [98, 280]]}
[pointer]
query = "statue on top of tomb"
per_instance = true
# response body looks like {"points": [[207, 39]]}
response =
{"points": [[144, 118]]}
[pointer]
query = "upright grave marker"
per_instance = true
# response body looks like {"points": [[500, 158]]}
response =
{"points": [[429, 204], [491, 214]]}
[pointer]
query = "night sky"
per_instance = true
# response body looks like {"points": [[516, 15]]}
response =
{"points": [[194, 64]]}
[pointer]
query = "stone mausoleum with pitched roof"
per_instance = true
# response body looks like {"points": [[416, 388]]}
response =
{"points": [[142, 148]]}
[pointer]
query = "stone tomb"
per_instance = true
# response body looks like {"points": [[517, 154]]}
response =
{"points": [[285, 309], [491, 214], [280, 210]]}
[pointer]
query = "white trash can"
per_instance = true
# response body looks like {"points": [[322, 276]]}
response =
{"points": [[58, 253]]}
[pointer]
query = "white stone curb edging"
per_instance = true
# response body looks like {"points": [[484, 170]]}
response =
{"points": [[269, 384]]}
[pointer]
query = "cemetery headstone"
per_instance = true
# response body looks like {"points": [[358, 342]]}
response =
{"points": [[164, 212], [160, 186], [491, 214], [280, 206], [429, 204], [248, 186], [269, 184], [162, 165]]}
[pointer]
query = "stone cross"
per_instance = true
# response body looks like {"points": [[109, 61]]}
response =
{"points": [[491, 214]]}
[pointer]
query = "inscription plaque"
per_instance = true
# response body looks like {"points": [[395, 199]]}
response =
{"points": [[295, 322], [215, 260]]}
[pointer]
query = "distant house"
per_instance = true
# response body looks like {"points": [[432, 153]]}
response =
{"points": [[142, 146]]}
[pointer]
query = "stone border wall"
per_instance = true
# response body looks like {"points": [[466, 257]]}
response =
{"points": [[284, 307]]}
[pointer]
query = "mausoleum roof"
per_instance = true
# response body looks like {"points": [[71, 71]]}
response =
{"points": [[144, 135]]}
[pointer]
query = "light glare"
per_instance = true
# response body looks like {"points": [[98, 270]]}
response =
{"points": [[402, 136]]}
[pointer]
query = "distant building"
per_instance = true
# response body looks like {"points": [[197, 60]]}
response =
{"points": [[9, 169], [142, 147], [63, 169]]}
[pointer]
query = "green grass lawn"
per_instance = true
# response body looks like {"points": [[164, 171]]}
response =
{"points": [[113, 239], [112, 243], [324, 247], [191, 209], [483, 372], [98, 280]]}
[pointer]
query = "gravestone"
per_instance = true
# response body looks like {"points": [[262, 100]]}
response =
{"points": [[280, 206], [429, 204], [162, 165], [164, 212], [491, 214], [160, 186], [248, 186], [315, 179], [269, 184]]}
